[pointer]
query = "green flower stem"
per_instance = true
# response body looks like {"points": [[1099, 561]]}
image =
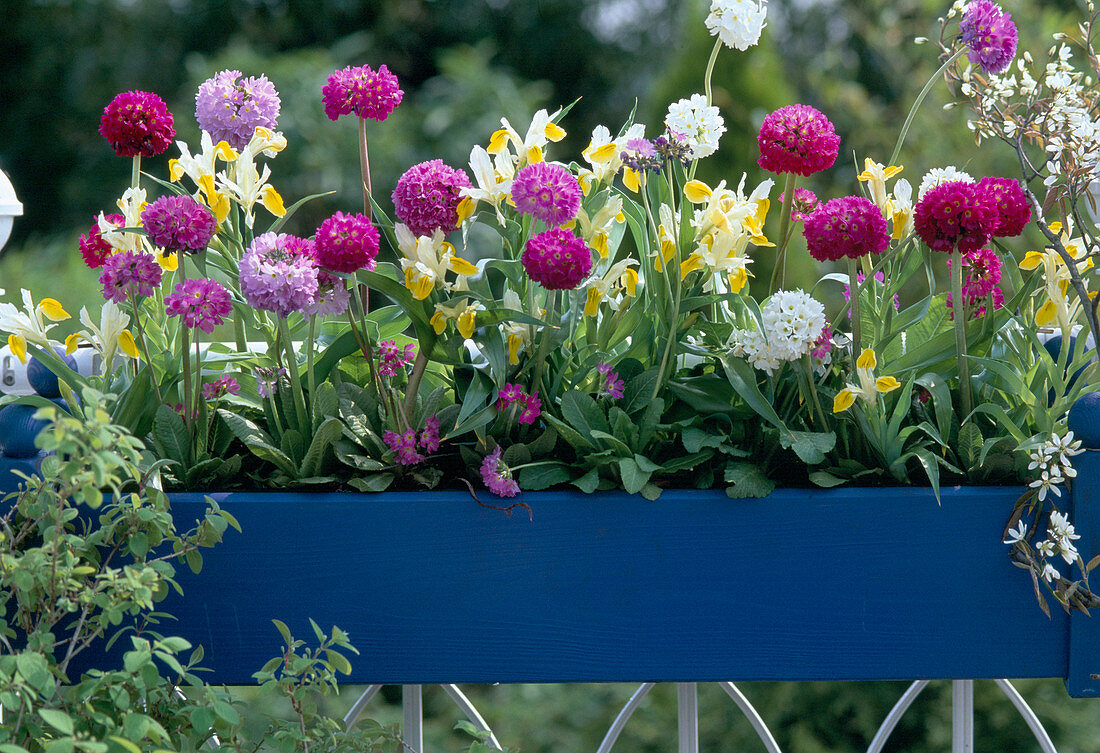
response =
{"points": [[364, 167], [413, 387], [145, 348], [295, 378], [917, 103], [311, 378], [959, 318], [673, 323], [544, 341], [135, 172], [809, 363], [779, 272], [185, 337], [710, 70], [855, 289], [239, 333]]}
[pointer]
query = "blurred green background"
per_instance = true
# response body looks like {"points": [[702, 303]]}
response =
{"points": [[464, 64]]}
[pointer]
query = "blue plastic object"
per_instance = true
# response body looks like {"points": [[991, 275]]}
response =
{"points": [[44, 381], [18, 429], [1084, 420], [802, 585]]}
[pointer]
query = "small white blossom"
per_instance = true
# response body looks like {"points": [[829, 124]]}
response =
{"points": [[1016, 534], [791, 322], [699, 124], [938, 175], [738, 23], [1050, 573]]}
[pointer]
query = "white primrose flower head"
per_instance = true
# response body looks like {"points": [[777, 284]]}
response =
{"points": [[791, 323], [938, 175], [738, 23], [699, 124]]}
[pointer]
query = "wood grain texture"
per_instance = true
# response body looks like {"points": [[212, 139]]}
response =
{"points": [[801, 585]]}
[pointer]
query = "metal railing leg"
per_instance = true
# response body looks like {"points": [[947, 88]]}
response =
{"points": [[687, 695], [412, 726], [962, 716]]}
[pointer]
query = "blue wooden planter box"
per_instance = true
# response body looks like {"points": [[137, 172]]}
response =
{"points": [[802, 585]]}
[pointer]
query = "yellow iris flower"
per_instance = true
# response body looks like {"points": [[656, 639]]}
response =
{"points": [[868, 388]]}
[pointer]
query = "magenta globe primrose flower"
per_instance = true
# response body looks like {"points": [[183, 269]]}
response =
{"points": [[179, 223], [956, 214], [1013, 207], [982, 284], [277, 274], [220, 387], [849, 226], [403, 446], [547, 191], [93, 247], [797, 139], [200, 302], [427, 195], [803, 203], [557, 259], [332, 297], [991, 35], [137, 124], [497, 476], [130, 273], [364, 91], [346, 243], [231, 110]]}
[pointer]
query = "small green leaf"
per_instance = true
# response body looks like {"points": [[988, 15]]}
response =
{"points": [[57, 719], [633, 477], [170, 435], [543, 476], [589, 481], [810, 446], [747, 480], [826, 480], [284, 631]]}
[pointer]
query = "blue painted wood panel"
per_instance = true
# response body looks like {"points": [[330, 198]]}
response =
{"points": [[801, 585]]}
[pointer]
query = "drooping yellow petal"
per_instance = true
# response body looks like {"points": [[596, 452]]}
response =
{"points": [[514, 344], [599, 242], [631, 180], [592, 304], [465, 209], [206, 184], [175, 170], [126, 342], [1056, 227], [466, 322], [460, 266], [271, 199], [585, 179], [891, 171], [422, 288], [438, 322], [534, 154], [697, 191], [554, 132], [690, 264], [71, 342], [604, 153], [630, 281], [53, 310], [886, 384], [220, 205], [866, 359], [498, 142], [1046, 314], [843, 400], [225, 151], [18, 346], [737, 280], [1032, 260], [168, 263]]}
